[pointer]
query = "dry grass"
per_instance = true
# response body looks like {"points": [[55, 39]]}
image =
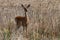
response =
{"points": [[44, 20]]}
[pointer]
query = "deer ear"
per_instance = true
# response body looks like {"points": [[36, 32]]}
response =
{"points": [[28, 6], [22, 5]]}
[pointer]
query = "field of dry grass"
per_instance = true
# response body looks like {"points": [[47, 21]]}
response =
{"points": [[43, 20]]}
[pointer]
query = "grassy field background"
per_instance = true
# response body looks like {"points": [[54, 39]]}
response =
{"points": [[43, 19]]}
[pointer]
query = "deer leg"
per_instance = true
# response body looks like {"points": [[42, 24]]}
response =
{"points": [[17, 27], [23, 30], [26, 29]]}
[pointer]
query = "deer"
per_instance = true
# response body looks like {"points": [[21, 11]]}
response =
{"points": [[22, 20]]}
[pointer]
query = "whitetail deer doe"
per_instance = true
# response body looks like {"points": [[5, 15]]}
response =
{"points": [[20, 20]]}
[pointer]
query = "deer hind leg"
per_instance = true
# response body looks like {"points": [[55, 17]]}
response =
{"points": [[19, 23]]}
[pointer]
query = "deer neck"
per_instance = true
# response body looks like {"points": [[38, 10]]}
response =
{"points": [[25, 14]]}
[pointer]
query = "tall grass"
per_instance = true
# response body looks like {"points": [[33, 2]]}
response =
{"points": [[6, 34], [40, 34]]}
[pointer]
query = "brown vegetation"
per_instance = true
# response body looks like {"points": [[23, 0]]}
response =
{"points": [[44, 19]]}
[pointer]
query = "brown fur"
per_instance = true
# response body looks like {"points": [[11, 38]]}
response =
{"points": [[20, 20]]}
